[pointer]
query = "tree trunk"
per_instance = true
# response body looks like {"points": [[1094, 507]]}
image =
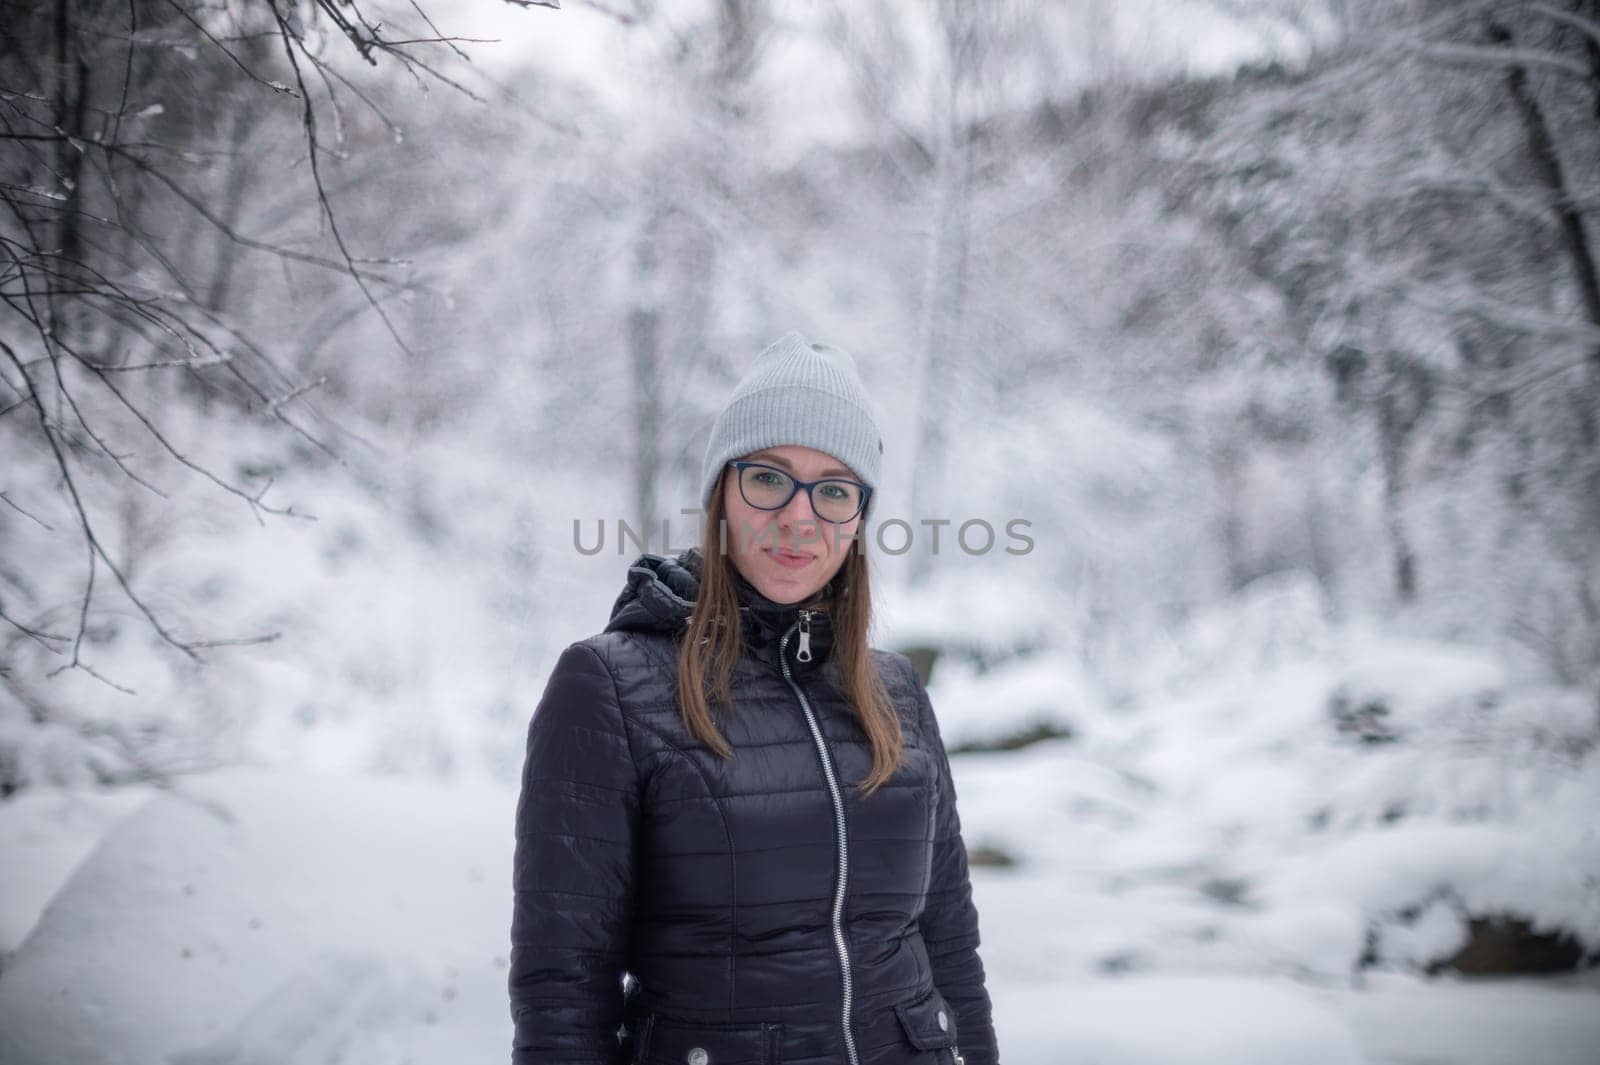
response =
{"points": [[1392, 433], [943, 299], [644, 350], [1545, 157], [1226, 472]]}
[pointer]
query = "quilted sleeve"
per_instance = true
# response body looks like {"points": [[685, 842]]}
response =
{"points": [[949, 919], [573, 870]]}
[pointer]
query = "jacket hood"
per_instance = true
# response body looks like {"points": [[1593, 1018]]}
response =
{"points": [[659, 594], [661, 591]]}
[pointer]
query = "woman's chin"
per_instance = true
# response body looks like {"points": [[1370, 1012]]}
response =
{"points": [[782, 584]]}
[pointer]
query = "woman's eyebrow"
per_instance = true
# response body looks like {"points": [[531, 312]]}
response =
{"points": [[831, 471]]}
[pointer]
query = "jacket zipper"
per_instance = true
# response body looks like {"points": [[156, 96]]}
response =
{"points": [[804, 625]]}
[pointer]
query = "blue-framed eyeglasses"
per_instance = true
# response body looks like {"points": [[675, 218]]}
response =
{"points": [[833, 499]]}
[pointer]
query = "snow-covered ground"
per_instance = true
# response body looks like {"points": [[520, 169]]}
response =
{"points": [[275, 917], [1248, 853], [1272, 793]]}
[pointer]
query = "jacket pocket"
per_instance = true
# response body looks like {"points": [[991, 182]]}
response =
{"points": [[929, 1023], [672, 1041]]}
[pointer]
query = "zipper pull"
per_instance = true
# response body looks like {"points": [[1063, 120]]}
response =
{"points": [[956, 1053], [804, 654]]}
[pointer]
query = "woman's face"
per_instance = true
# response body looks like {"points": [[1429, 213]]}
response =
{"points": [[790, 553]]}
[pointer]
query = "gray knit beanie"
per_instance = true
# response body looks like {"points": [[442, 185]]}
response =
{"points": [[797, 393]]}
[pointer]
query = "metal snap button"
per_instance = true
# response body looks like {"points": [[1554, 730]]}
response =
{"points": [[697, 1056], [944, 1022]]}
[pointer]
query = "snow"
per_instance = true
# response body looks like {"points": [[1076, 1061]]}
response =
{"points": [[1211, 867], [271, 929], [276, 916], [1405, 1021], [1037, 689], [1267, 818], [44, 835], [1010, 616], [1161, 1020]]}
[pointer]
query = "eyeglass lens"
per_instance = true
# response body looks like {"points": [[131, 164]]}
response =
{"points": [[770, 489]]}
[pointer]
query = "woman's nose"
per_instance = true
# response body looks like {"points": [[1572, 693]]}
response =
{"points": [[797, 509]]}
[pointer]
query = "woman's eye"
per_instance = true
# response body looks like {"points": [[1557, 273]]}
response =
{"points": [[767, 478], [835, 491]]}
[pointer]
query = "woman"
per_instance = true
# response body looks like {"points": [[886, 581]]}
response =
{"points": [[730, 798]]}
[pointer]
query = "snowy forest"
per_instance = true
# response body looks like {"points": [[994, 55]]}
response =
{"points": [[332, 331]]}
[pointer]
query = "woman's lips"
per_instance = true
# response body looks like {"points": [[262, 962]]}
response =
{"points": [[790, 559]]}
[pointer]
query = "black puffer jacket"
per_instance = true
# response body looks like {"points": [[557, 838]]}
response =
{"points": [[765, 912]]}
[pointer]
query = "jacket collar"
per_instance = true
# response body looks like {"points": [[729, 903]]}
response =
{"points": [[661, 591], [766, 621]]}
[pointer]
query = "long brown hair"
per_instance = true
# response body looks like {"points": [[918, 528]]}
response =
{"points": [[711, 645]]}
